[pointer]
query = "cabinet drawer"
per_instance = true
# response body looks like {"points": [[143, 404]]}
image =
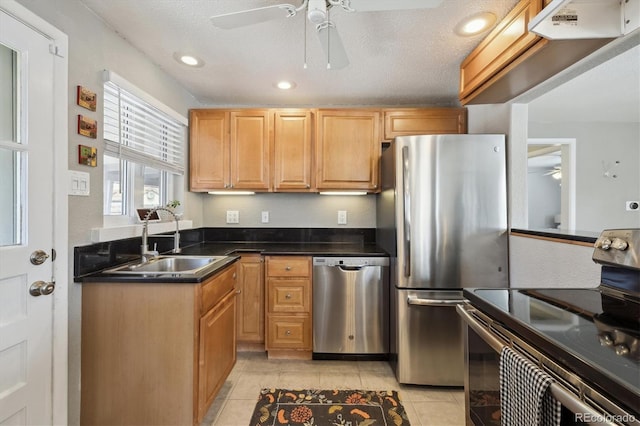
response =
{"points": [[288, 266], [289, 332], [214, 289], [289, 295]]}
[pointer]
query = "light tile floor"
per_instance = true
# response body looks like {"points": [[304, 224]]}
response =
{"points": [[253, 371]]}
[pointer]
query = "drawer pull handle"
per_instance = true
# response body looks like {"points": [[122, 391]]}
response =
{"points": [[288, 268], [288, 332], [287, 296]]}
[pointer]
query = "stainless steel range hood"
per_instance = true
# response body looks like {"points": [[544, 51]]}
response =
{"points": [[586, 19]]}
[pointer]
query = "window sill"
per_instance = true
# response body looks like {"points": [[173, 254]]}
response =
{"points": [[99, 235]]}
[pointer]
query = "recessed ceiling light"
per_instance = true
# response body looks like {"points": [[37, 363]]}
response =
{"points": [[475, 24], [285, 85], [189, 60]]}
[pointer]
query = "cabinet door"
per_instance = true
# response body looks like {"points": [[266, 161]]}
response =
{"points": [[250, 153], [250, 300], [505, 43], [424, 121], [348, 147], [208, 149], [217, 353], [292, 150]]}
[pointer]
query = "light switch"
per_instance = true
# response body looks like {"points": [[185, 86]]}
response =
{"points": [[342, 217], [79, 183]]}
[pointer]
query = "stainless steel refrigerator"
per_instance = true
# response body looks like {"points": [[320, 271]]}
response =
{"points": [[442, 217]]}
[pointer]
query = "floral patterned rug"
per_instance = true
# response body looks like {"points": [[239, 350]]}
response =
{"points": [[278, 407]]}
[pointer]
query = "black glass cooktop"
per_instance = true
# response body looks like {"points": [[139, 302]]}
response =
{"points": [[593, 332]]}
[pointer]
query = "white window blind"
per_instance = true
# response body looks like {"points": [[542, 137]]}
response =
{"points": [[137, 131]]}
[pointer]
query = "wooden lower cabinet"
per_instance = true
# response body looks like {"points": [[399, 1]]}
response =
{"points": [[288, 310], [250, 302], [156, 353]]}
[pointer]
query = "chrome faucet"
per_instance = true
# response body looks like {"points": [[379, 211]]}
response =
{"points": [[144, 248]]}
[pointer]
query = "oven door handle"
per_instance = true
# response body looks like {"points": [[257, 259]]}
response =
{"points": [[559, 392]]}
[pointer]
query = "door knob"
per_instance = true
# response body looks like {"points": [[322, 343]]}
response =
{"points": [[41, 288]]}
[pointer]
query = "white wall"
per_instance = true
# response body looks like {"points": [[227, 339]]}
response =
{"points": [[94, 47], [544, 264], [600, 199], [543, 198], [292, 210], [532, 262]]}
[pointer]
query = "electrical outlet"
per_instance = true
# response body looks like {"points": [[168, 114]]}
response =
{"points": [[265, 217], [233, 216], [632, 206], [342, 217]]}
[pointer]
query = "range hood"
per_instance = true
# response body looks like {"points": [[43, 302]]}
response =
{"points": [[586, 19]]}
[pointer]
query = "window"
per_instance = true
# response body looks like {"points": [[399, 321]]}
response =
{"points": [[144, 149]]}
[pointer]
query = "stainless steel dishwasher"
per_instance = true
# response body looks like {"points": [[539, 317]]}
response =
{"points": [[350, 307]]}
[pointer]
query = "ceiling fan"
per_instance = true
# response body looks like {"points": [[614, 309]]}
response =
{"points": [[555, 172], [317, 13]]}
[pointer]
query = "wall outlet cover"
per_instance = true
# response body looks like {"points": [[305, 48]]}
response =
{"points": [[233, 216], [264, 217]]}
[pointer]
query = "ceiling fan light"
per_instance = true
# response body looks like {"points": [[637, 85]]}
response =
{"points": [[317, 11]]}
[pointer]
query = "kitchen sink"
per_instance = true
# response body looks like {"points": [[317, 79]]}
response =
{"points": [[171, 265]]}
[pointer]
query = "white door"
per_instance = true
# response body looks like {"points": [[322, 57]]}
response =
{"points": [[26, 224]]}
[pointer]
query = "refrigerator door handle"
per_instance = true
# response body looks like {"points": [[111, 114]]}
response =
{"points": [[406, 207], [412, 300]]}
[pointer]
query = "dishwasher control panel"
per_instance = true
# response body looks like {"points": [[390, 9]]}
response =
{"points": [[351, 261]]}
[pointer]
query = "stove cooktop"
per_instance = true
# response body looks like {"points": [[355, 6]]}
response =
{"points": [[593, 332]]}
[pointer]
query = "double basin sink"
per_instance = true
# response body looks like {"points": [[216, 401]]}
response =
{"points": [[175, 266]]}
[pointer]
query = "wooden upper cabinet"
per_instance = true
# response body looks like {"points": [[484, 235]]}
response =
{"points": [[424, 121], [208, 149], [292, 130], [348, 147], [250, 153], [505, 43]]}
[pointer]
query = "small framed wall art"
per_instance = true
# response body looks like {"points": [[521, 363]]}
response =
{"points": [[87, 155], [86, 98], [87, 127]]}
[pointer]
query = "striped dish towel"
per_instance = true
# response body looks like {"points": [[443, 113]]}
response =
{"points": [[525, 398]]}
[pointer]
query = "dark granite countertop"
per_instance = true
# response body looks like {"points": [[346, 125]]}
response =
{"points": [[91, 261], [560, 234], [284, 249]]}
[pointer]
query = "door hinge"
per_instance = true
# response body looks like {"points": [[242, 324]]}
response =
{"points": [[55, 50]]}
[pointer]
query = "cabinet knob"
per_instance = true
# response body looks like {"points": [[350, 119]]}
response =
{"points": [[238, 291], [235, 275], [288, 268], [287, 296], [288, 332]]}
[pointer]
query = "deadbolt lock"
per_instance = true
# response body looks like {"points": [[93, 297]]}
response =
{"points": [[38, 257]]}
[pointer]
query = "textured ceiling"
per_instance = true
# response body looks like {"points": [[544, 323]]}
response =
{"points": [[408, 57]]}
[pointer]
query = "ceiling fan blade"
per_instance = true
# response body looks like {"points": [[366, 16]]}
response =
{"points": [[332, 46], [243, 18], [374, 5]]}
